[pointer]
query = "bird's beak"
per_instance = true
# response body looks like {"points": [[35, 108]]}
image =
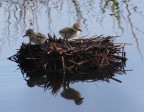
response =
{"points": [[25, 35], [80, 30], [82, 98]]}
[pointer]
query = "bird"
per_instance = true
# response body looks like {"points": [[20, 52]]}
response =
{"points": [[35, 37], [70, 32]]}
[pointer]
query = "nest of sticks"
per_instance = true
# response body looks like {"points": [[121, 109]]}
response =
{"points": [[92, 59]]}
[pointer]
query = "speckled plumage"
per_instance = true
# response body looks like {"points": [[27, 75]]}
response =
{"points": [[70, 32], [35, 37]]}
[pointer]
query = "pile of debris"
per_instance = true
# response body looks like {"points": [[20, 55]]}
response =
{"points": [[91, 59]]}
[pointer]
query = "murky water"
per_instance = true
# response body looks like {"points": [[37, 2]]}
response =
{"points": [[108, 17]]}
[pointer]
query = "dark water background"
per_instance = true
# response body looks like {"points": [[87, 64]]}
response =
{"points": [[107, 17]]}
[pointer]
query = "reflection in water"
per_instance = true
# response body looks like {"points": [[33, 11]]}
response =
{"points": [[52, 66], [26, 13], [72, 94], [0, 48], [116, 12], [36, 81], [21, 14], [132, 28], [23, 10], [78, 10]]}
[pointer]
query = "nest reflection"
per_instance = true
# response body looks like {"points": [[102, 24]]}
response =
{"points": [[53, 66]]}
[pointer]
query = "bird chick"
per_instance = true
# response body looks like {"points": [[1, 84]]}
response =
{"points": [[70, 32], [35, 37]]}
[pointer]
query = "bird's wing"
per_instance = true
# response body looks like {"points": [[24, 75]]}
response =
{"points": [[39, 35], [64, 30], [68, 32]]}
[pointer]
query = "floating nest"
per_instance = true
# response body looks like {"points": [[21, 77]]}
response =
{"points": [[51, 65]]}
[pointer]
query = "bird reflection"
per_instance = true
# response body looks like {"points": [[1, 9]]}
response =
{"points": [[39, 81], [67, 93], [72, 94]]}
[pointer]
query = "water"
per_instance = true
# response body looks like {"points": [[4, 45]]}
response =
{"points": [[115, 17]]}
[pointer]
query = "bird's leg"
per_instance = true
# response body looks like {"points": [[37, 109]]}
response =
{"points": [[68, 43], [70, 47], [30, 51], [67, 84], [29, 41], [65, 43]]}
